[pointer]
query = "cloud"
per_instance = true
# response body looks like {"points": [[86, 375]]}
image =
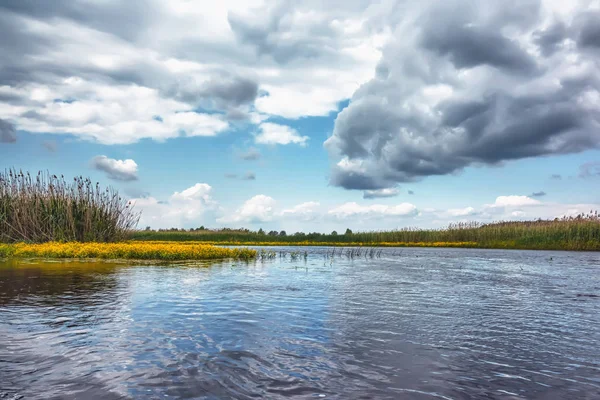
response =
{"points": [[411, 192], [119, 170], [556, 177], [304, 212], [589, 170], [188, 208], [352, 209], [252, 154], [462, 84], [381, 193], [102, 70], [8, 133], [462, 212], [514, 201], [538, 194], [273, 134], [259, 208]]}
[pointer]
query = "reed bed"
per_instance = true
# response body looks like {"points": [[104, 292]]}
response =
{"points": [[127, 250], [46, 207], [581, 232]]}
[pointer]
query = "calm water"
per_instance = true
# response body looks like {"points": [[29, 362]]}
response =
{"points": [[423, 324]]}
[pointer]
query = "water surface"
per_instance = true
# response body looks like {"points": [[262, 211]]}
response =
{"points": [[412, 324]]}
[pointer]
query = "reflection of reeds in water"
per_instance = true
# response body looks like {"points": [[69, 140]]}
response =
{"points": [[45, 207]]}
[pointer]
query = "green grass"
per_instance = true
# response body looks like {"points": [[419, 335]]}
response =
{"points": [[575, 233]]}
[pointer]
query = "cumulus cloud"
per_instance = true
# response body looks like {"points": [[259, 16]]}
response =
{"points": [[305, 211], [538, 194], [8, 133], [463, 83], [381, 193], [259, 208], [190, 207], [119, 170], [589, 170], [353, 209], [514, 201], [104, 70], [462, 212], [271, 133]]}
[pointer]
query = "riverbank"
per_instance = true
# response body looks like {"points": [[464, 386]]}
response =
{"points": [[126, 250], [579, 233]]}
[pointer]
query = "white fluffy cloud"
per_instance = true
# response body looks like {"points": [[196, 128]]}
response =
{"points": [[120, 71], [462, 212], [119, 170], [514, 201], [353, 209], [186, 208], [305, 211], [259, 208], [271, 133]]}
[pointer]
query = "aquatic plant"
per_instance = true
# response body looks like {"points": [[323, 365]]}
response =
{"points": [[46, 207], [126, 250]]}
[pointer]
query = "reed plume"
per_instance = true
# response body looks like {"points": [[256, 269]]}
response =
{"points": [[46, 207]]}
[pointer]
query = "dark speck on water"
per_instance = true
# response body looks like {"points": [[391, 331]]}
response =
{"points": [[423, 324]]}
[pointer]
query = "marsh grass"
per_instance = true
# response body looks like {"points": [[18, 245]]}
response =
{"points": [[46, 207], [581, 232]]}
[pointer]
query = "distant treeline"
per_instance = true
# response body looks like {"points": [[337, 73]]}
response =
{"points": [[581, 232]]}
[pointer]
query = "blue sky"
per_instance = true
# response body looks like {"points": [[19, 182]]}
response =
{"points": [[304, 117]]}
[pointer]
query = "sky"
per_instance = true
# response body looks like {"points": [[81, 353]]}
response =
{"points": [[313, 115]]}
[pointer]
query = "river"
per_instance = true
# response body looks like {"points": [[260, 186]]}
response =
{"points": [[412, 323]]}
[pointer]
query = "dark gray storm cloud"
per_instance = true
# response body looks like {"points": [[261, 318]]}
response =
{"points": [[465, 84], [222, 91], [589, 35], [8, 133]]}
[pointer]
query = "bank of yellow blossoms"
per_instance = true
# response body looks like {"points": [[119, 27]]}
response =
{"points": [[127, 250]]}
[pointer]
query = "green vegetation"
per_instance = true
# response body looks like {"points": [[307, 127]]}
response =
{"points": [[581, 232], [46, 208]]}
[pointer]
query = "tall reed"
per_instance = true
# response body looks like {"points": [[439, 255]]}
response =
{"points": [[46, 207]]}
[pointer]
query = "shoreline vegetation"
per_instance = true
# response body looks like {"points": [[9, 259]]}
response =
{"points": [[577, 233], [45, 215], [125, 251]]}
